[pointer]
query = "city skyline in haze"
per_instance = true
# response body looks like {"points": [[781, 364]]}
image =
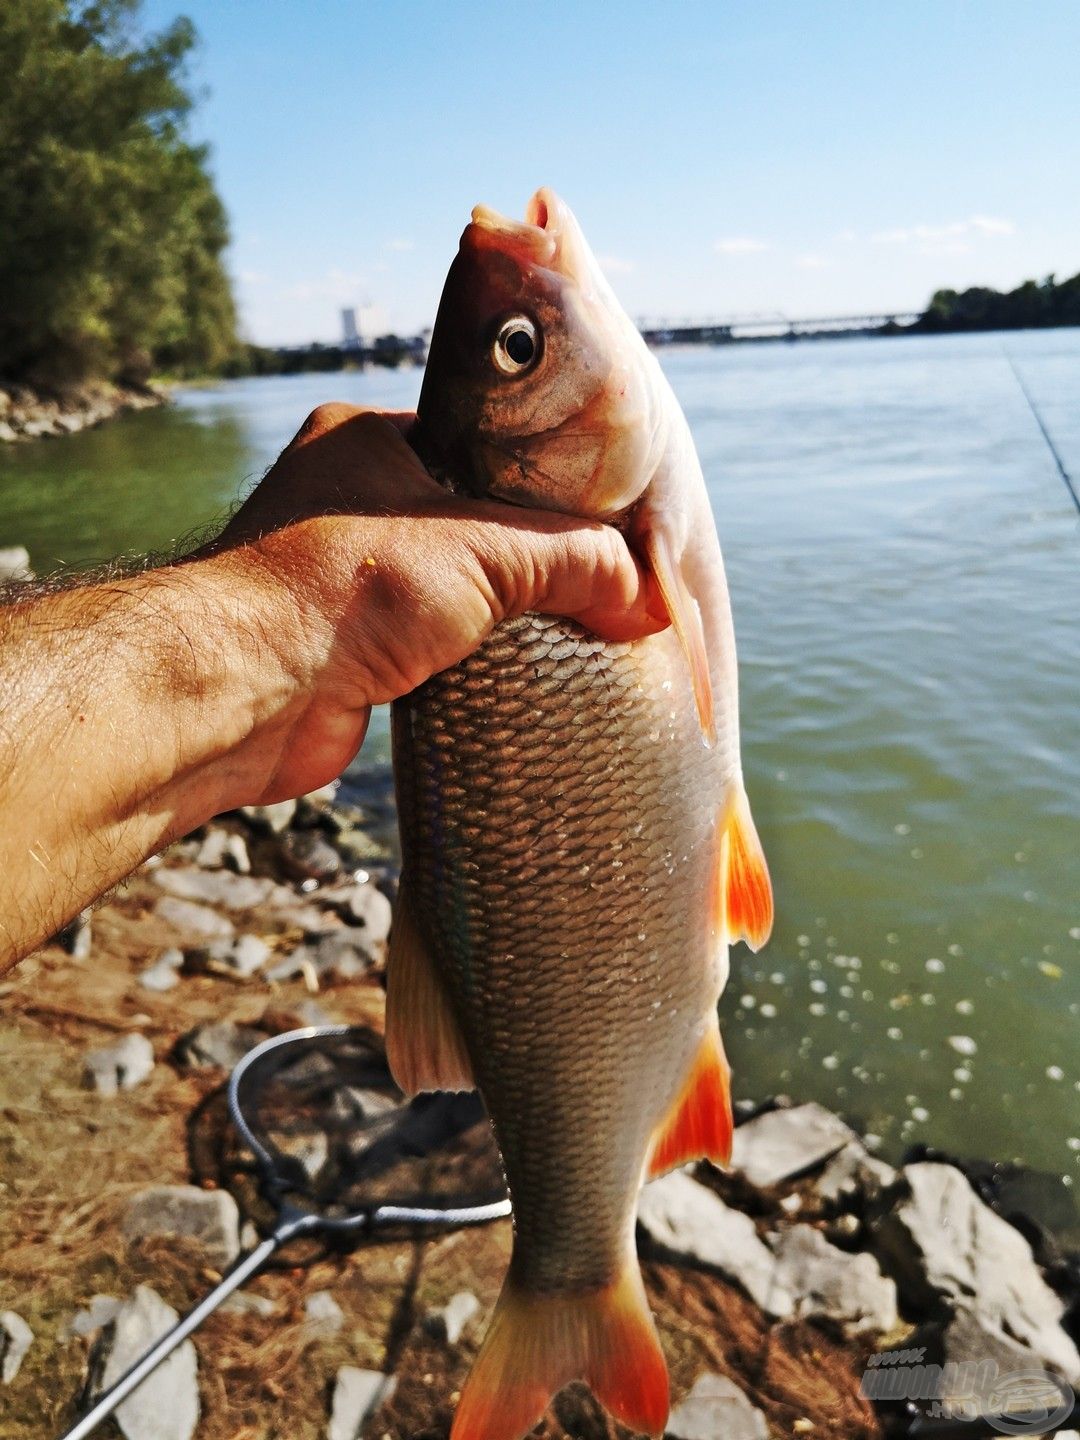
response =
{"points": [[723, 159]]}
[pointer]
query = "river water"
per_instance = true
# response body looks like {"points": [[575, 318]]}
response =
{"points": [[905, 573]]}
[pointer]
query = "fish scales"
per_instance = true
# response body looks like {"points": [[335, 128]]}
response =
{"points": [[557, 851], [577, 843]]}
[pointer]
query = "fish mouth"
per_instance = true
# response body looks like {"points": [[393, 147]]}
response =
{"points": [[548, 236]]}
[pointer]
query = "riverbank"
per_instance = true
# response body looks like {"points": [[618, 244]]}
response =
{"points": [[27, 413], [802, 1292]]}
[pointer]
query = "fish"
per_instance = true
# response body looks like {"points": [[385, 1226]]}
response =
{"points": [[578, 851]]}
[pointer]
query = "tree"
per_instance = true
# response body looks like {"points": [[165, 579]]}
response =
{"points": [[111, 232]]}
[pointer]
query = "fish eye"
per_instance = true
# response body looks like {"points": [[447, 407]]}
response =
{"points": [[517, 345]]}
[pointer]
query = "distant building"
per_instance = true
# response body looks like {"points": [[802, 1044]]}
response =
{"points": [[350, 332]]}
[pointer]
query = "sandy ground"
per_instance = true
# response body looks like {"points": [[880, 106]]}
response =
{"points": [[70, 1159]]}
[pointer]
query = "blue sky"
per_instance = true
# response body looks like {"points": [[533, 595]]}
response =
{"points": [[795, 156]]}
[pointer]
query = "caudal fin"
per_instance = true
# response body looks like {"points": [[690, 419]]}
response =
{"points": [[536, 1344]]}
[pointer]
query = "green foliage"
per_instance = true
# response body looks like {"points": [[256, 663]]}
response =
{"points": [[111, 232], [1029, 306]]}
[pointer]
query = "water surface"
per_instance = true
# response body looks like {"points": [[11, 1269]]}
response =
{"points": [[905, 573]]}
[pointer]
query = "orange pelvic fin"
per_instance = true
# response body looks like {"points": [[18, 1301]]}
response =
{"points": [[424, 1044], [686, 619], [536, 1344], [748, 900], [700, 1125]]}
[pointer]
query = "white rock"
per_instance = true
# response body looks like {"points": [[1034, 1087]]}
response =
{"points": [[716, 1409], [829, 1282], [192, 918], [159, 978], [323, 1312], [223, 1044], [781, 1144], [944, 1245], [246, 1302], [208, 1216], [853, 1171], [687, 1219], [16, 1337], [118, 1067], [214, 887], [99, 1312], [271, 817], [357, 1394], [238, 958], [450, 1320], [166, 1404], [15, 564], [369, 908]]}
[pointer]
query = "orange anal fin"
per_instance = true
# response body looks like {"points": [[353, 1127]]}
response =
{"points": [[700, 1125], [686, 619], [424, 1045], [748, 901], [536, 1344]]}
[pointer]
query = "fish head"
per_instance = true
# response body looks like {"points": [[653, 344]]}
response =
{"points": [[539, 389]]}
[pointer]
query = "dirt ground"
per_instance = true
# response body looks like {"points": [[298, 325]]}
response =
{"points": [[70, 1159]]}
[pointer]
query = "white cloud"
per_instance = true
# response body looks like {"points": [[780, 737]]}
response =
{"points": [[616, 265], [740, 245], [950, 234], [400, 244], [991, 225], [337, 286], [846, 237], [811, 262]]}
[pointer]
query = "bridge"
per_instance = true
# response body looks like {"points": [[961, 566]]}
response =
{"points": [[765, 327]]}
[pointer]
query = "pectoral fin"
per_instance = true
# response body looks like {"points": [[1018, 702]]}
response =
{"points": [[748, 901], [685, 614], [424, 1044], [700, 1126]]}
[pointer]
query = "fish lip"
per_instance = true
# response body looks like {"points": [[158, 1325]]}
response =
{"points": [[536, 239]]}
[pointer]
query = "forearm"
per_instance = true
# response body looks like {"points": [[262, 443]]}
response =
{"points": [[125, 706]]}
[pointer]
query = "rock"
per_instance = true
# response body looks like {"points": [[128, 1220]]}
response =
{"points": [[945, 1249], [214, 887], [238, 959], [365, 907], [853, 1171], [343, 956], [685, 1218], [323, 1312], [223, 848], [781, 1144], [310, 856], [310, 1151], [101, 1310], [450, 1320], [76, 936], [166, 1404], [159, 978], [353, 1105], [340, 956], [716, 1408], [191, 918], [16, 1337], [275, 818], [223, 1044], [312, 920], [246, 1302], [357, 1394], [830, 1283], [208, 1216], [118, 1067], [15, 563]]}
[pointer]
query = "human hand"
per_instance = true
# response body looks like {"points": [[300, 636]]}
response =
{"points": [[372, 578]]}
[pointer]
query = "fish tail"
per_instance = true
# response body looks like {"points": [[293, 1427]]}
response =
{"points": [[536, 1344]]}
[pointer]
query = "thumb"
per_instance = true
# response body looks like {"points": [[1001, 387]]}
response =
{"points": [[586, 572]]}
